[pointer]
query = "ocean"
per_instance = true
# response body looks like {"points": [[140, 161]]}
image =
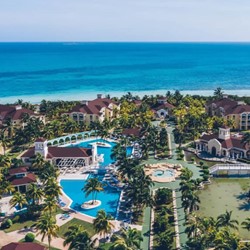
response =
{"points": [[75, 71]]}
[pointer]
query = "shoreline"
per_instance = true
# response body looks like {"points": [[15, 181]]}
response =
{"points": [[90, 95]]}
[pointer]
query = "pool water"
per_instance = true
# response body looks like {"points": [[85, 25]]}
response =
{"points": [[101, 150], [109, 197], [163, 173]]}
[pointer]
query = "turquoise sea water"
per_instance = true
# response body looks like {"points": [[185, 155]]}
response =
{"points": [[77, 70]]}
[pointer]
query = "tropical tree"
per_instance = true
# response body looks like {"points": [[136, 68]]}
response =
{"points": [[34, 193], [102, 223], [5, 161], [225, 220], [129, 239], [186, 174], [50, 204], [218, 93], [4, 141], [52, 188], [93, 186], [246, 138], [38, 162], [47, 227], [77, 238], [18, 199]]}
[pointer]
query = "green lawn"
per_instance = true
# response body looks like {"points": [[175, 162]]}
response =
{"points": [[87, 226], [104, 246], [27, 223], [20, 225]]}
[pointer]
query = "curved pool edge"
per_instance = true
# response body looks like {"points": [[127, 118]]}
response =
{"points": [[69, 201]]}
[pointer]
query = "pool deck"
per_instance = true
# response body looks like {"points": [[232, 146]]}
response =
{"points": [[151, 168]]}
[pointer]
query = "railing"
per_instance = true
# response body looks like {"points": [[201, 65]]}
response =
{"points": [[238, 167]]}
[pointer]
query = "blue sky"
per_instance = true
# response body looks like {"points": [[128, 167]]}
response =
{"points": [[124, 20]]}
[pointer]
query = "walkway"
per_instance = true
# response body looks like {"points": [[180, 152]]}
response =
{"points": [[174, 186]]}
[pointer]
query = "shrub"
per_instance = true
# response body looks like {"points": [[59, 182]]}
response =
{"points": [[163, 196], [16, 219], [7, 223], [29, 237]]}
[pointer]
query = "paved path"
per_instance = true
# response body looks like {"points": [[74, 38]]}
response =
{"points": [[174, 186]]}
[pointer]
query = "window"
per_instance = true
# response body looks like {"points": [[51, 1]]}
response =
{"points": [[80, 117], [75, 117], [91, 117]]}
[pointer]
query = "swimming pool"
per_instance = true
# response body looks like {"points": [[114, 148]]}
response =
{"points": [[101, 150], [163, 173], [109, 197]]}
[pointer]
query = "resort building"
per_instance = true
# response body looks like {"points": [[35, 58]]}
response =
{"points": [[223, 144], [96, 110], [20, 178], [16, 114], [132, 132], [23, 246], [237, 111], [61, 156], [163, 109]]}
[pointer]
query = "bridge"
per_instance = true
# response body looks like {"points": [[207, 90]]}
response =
{"points": [[238, 169], [68, 139]]}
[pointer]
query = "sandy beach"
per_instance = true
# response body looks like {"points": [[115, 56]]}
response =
{"points": [[78, 95]]}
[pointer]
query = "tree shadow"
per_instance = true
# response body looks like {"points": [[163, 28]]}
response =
{"points": [[242, 196], [245, 206], [147, 234]]}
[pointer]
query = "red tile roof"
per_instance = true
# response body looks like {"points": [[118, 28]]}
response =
{"points": [[13, 113], [23, 246], [40, 139], [13, 171], [61, 152], [131, 132], [29, 178], [229, 143], [165, 105], [230, 106], [93, 107]]}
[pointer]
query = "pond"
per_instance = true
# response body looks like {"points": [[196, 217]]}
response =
{"points": [[226, 194]]}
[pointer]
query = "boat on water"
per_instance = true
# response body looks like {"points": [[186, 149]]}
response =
{"points": [[101, 144]]}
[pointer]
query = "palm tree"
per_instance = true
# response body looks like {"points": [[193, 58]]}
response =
{"points": [[246, 138], [186, 174], [4, 141], [52, 188], [93, 186], [246, 224], [227, 241], [218, 93], [18, 199], [102, 224], [128, 240], [50, 204], [5, 161], [38, 162], [5, 187], [34, 193], [77, 238], [225, 220], [192, 226], [190, 203], [47, 226]]}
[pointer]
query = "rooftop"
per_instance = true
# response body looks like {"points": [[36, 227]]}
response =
{"points": [[23, 246]]}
